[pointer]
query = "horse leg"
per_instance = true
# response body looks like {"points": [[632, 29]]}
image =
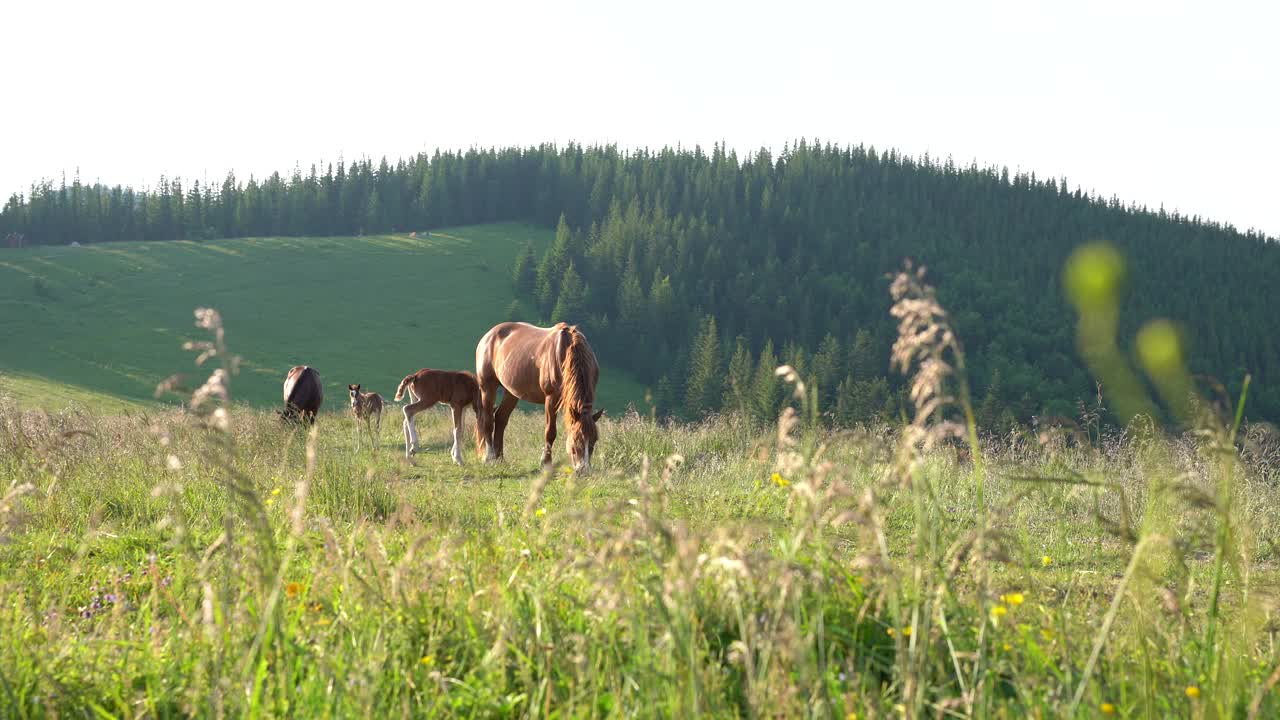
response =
{"points": [[357, 429], [550, 435], [411, 432], [488, 387], [458, 417], [377, 431], [501, 418]]}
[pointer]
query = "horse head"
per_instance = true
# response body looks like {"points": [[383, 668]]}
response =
{"points": [[581, 438]]}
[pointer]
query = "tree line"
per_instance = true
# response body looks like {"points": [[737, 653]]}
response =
{"points": [[699, 271]]}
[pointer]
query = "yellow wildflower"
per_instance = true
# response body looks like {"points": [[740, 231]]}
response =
{"points": [[891, 632], [540, 512], [1012, 598], [292, 590], [1006, 647], [906, 632], [1108, 709], [998, 612], [779, 480], [270, 502], [1046, 561], [1193, 692], [428, 660], [275, 492]]}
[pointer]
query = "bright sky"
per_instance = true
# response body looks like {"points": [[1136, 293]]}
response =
{"points": [[1156, 102]]}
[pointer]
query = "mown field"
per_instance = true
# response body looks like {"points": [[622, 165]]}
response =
{"points": [[101, 325]]}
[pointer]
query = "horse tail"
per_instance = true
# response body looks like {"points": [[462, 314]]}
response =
{"points": [[477, 407], [404, 385]]}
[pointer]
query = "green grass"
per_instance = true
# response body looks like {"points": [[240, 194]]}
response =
{"points": [[104, 324], [208, 562], [651, 588]]}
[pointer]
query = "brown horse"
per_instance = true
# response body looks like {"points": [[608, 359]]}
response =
{"points": [[457, 389], [551, 366], [303, 394], [367, 407]]}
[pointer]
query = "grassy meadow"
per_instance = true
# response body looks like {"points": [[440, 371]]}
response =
{"points": [[101, 325], [209, 561], [214, 563]]}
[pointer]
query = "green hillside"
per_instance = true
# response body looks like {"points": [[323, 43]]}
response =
{"points": [[103, 324]]}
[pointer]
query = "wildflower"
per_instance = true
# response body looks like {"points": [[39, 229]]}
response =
{"points": [[891, 632], [1193, 692], [1108, 709], [270, 502], [275, 492], [292, 590], [1014, 599], [998, 612], [541, 512], [428, 660], [851, 716], [906, 632], [779, 480], [1006, 647], [1046, 561]]}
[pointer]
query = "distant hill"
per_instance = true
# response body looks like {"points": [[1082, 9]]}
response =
{"points": [[697, 271], [103, 324]]}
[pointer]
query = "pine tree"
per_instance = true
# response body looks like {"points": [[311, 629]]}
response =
{"points": [[630, 324], [766, 392], [704, 389], [525, 272], [553, 265], [828, 368], [739, 376], [863, 362], [572, 305]]}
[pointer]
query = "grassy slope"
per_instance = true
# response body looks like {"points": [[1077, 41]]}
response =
{"points": [[107, 322]]}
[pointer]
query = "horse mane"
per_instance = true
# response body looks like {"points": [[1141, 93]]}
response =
{"points": [[578, 393]]}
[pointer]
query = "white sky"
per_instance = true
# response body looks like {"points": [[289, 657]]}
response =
{"points": [[1156, 102]]}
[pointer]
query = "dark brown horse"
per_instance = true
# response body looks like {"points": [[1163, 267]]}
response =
{"points": [[554, 367], [457, 389], [303, 394]]}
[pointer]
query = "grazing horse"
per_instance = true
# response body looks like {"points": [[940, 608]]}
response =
{"points": [[457, 389], [303, 394], [554, 367], [366, 407]]}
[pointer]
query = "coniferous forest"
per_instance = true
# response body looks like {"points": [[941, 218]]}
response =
{"points": [[700, 272]]}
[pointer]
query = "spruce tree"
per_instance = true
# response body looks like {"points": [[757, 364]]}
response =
{"points": [[738, 377], [766, 392], [572, 305], [525, 272], [704, 390], [552, 267]]}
